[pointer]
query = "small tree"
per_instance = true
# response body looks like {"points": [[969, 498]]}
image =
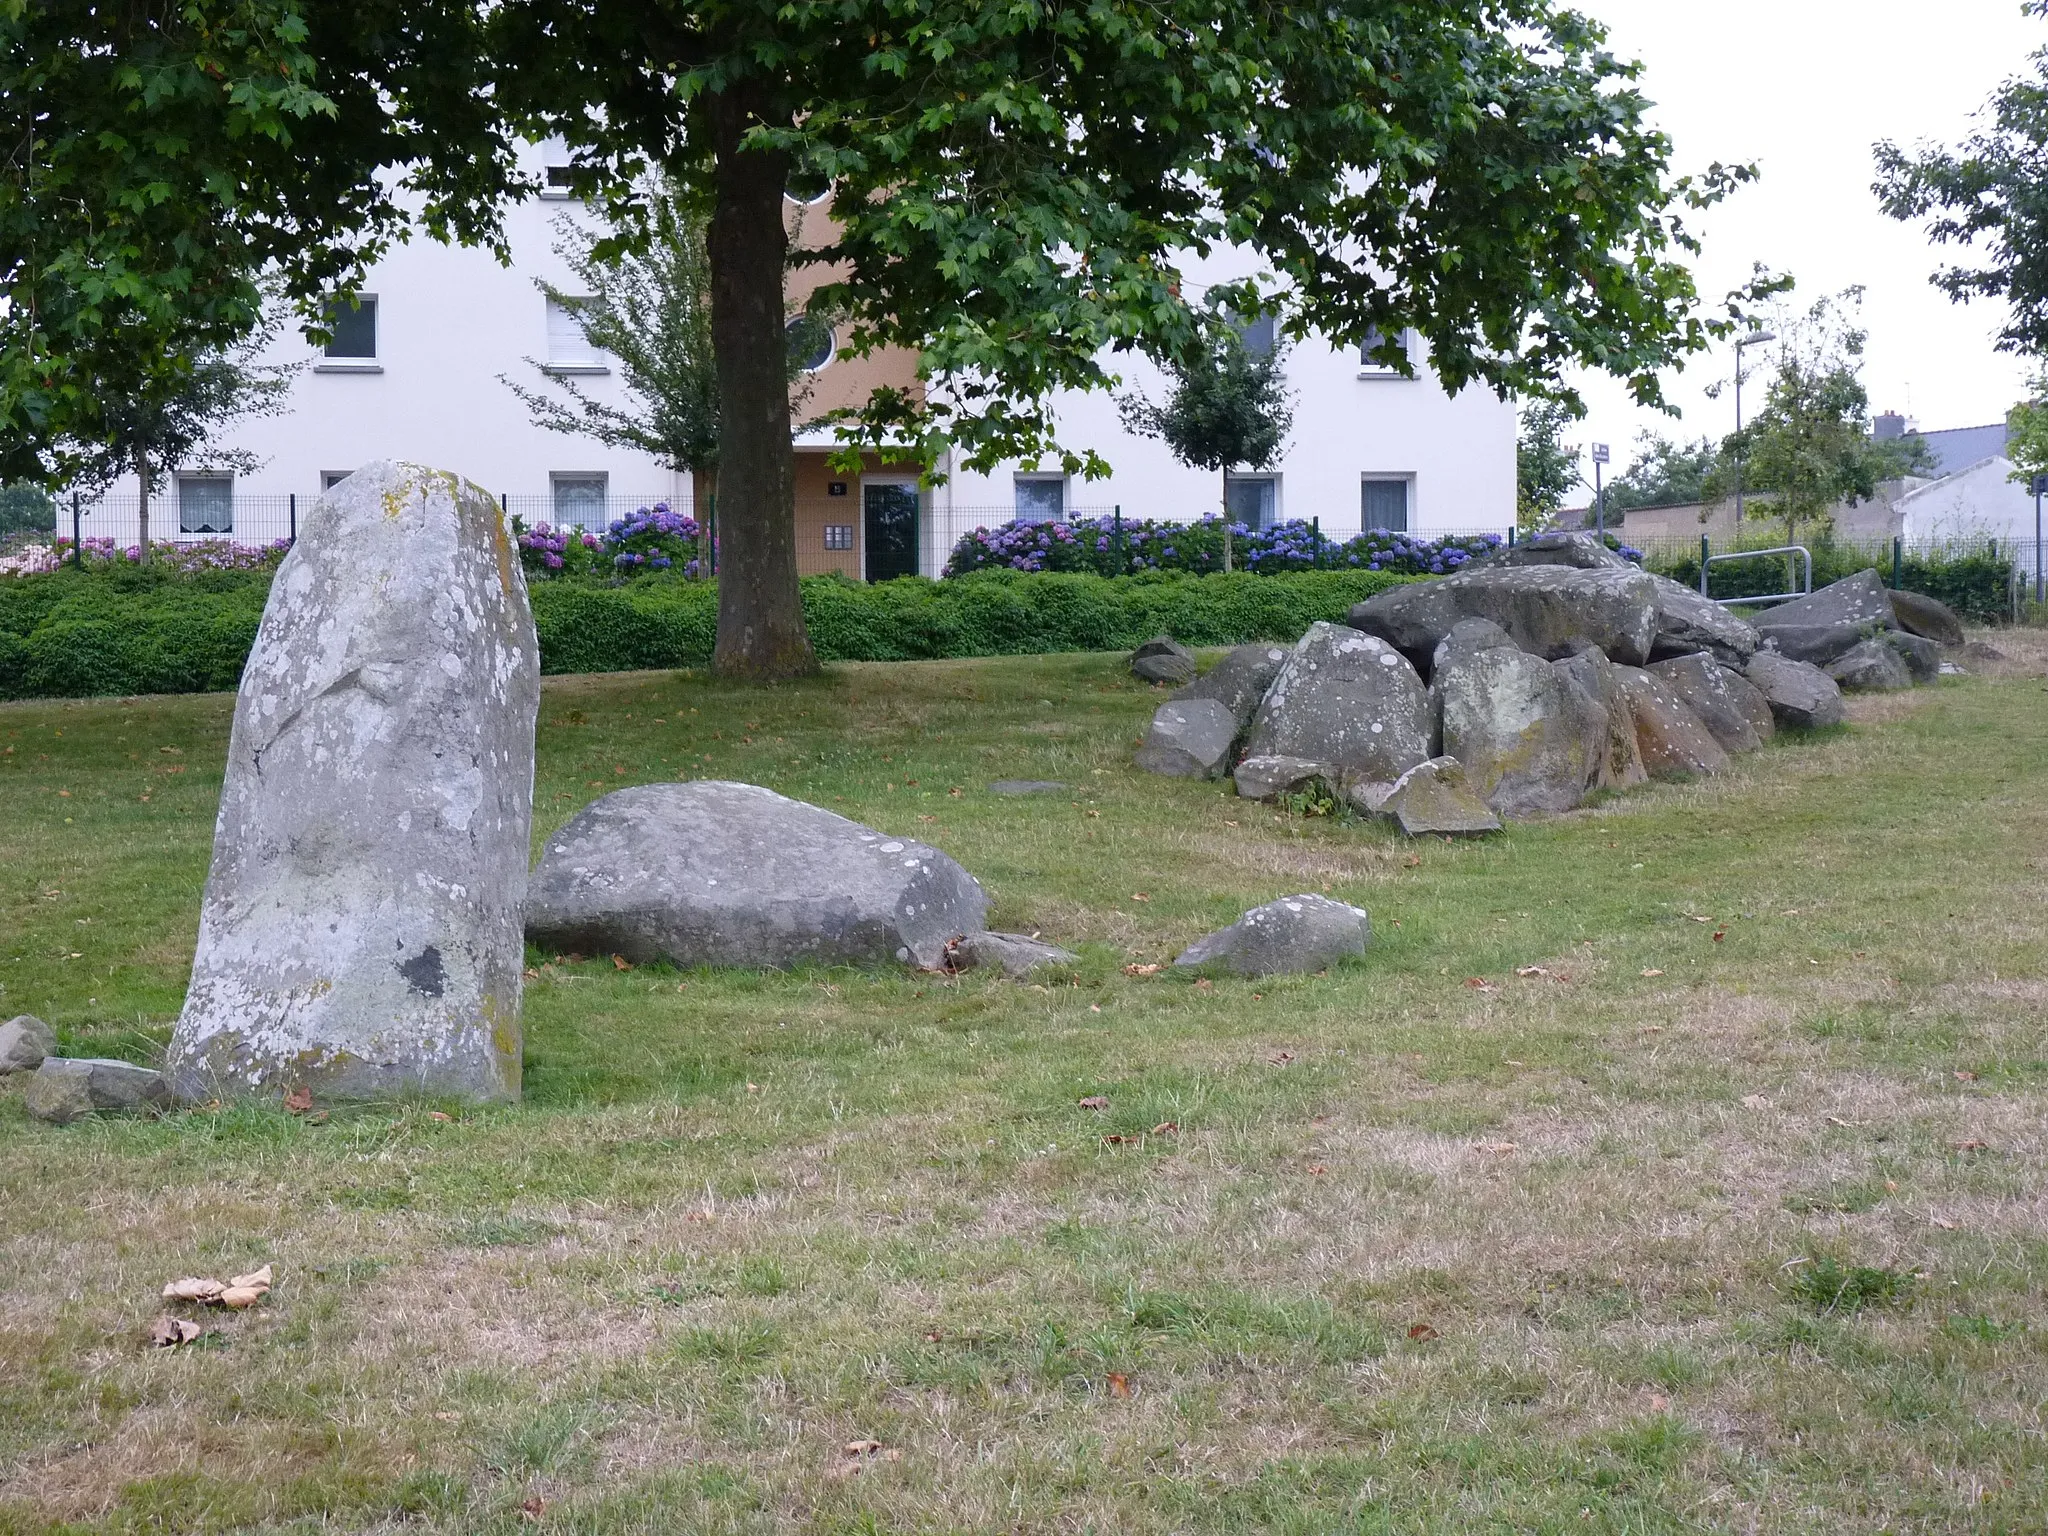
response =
{"points": [[1546, 466], [1229, 408], [2026, 433], [1663, 473], [1811, 446], [175, 418]]}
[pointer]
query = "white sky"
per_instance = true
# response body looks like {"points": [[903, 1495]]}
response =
{"points": [[1804, 88]]}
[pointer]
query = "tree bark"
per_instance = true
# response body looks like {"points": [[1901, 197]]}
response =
{"points": [[142, 505], [761, 634]]}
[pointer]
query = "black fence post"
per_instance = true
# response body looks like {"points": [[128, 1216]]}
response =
{"points": [[1706, 551], [1898, 558], [1315, 528], [292, 511], [1123, 556], [1511, 535], [77, 543]]}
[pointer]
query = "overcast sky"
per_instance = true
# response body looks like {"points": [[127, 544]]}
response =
{"points": [[1803, 88]]}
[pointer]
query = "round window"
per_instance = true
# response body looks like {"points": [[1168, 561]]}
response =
{"points": [[811, 342]]}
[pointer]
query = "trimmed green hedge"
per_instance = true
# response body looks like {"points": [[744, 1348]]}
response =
{"points": [[73, 634], [1972, 579]]}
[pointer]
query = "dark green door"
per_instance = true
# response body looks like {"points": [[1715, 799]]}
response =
{"points": [[891, 515]]}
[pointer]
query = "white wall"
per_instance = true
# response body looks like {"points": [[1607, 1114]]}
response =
{"points": [[1982, 501]]}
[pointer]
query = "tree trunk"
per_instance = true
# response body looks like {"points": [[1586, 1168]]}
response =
{"points": [[1226, 522], [761, 635], [142, 505]]}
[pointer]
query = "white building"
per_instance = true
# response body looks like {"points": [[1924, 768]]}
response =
{"points": [[417, 374]]}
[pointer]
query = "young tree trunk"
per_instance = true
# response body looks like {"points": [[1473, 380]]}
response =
{"points": [[761, 635], [142, 504], [1226, 522]]}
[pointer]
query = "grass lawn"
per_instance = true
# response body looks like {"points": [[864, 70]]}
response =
{"points": [[1730, 1217]]}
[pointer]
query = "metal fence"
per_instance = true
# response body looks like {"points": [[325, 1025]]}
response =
{"points": [[243, 518]]}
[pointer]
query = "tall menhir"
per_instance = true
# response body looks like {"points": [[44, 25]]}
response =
{"points": [[361, 933]]}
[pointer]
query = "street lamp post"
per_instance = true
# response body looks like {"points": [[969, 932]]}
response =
{"points": [[2040, 486], [1599, 494], [1754, 338]]}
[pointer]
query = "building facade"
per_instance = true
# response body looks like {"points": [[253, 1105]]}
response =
{"points": [[419, 371]]}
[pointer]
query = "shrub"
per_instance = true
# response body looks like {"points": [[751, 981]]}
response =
{"points": [[1973, 579], [649, 540], [1108, 548], [70, 633]]}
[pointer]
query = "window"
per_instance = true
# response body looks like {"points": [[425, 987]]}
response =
{"points": [[811, 342], [1041, 498], [839, 535], [569, 349], [354, 328], [1367, 363], [330, 478], [561, 181], [206, 503], [1252, 500], [579, 499], [1257, 335], [1384, 505]]}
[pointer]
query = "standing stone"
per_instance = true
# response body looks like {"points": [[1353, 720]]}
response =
{"points": [[66, 1089], [716, 873], [24, 1041], [1929, 617], [1347, 700], [1293, 934], [1435, 799], [1826, 625], [1870, 666], [361, 933], [1598, 682], [1163, 659], [1189, 739], [1801, 696], [1727, 703], [1528, 745], [1673, 742]]}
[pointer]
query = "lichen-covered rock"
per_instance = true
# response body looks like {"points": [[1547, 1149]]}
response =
{"points": [[1556, 546], [1347, 700], [1465, 637], [1688, 622], [68, 1088], [1163, 659], [1727, 703], [1292, 935], [1435, 799], [1268, 778], [360, 933], [1921, 655], [1239, 681], [1548, 610], [1670, 736], [1928, 617], [1801, 696], [1870, 666], [1826, 625], [1528, 744], [1014, 954], [1599, 688], [1189, 739], [24, 1041], [716, 873]]}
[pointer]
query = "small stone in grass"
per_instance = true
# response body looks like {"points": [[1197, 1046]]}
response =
{"points": [[24, 1041]]}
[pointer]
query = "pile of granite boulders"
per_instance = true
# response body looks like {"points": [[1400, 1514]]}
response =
{"points": [[1530, 680]]}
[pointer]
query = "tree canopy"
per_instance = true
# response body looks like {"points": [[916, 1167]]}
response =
{"points": [[1663, 473], [1546, 466], [1228, 409], [1990, 195]]}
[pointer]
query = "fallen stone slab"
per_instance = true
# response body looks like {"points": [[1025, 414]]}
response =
{"points": [[716, 873], [1688, 622], [1800, 695], [1014, 954], [1163, 659], [1348, 700], [1295, 934], [1239, 681], [1871, 666], [1860, 601], [1189, 739], [1672, 739], [24, 1041], [1556, 546], [360, 933], [1599, 689], [1434, 798], [66, 1089], [1921, 655], [1816, 644], [1548, 610], [1268, 778], [1528, 743], [1026, 787], [1929, 617], [1727, 703]]}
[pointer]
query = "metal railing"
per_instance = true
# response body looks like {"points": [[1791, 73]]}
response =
{"points": [[1708, 559]]}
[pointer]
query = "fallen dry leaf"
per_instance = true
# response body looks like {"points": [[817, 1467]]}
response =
{"points": [[1281, 1058], [1847, 1125], [1755, 1101], [1165, 1128], [1094, 1101], [1532, 970], [1480, 984], [1139, 896], [1205, 985], [1114, 1140], [621, 963], [255, 1280], [1411, 862], [1966, 1077], [1720, 934], [1651, 970], [1422, 1333], [299, 1100], [1972, 1145], [860, 1447], [1659, 1402], [1943, 1222], [1141, 970], [1318, 1168], [169, 1332], [533, 1508], [1499, 1148], [1119, 1384], [1691, 918], [933, 1335], [194, 1289], [240, 1296], [440, 1117]]}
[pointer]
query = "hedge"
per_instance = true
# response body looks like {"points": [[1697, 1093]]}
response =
{"points": [[72, 634], [1972, 579]]}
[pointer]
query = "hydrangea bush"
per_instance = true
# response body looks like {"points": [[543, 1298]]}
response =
{"points": [[1092, 544], [654, 538], [187, 557]]}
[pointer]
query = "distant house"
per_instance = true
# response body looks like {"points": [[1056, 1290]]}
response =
{"points": [[1954, 448]]}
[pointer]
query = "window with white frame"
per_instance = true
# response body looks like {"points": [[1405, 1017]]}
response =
{"points": [[1253, 500], [1383, 504], [1041, 498], [579, 499], [330, 478], [1375, 339], [560, 181], [352, 327], [569, 348], [206, 503], [1257, 335]]}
